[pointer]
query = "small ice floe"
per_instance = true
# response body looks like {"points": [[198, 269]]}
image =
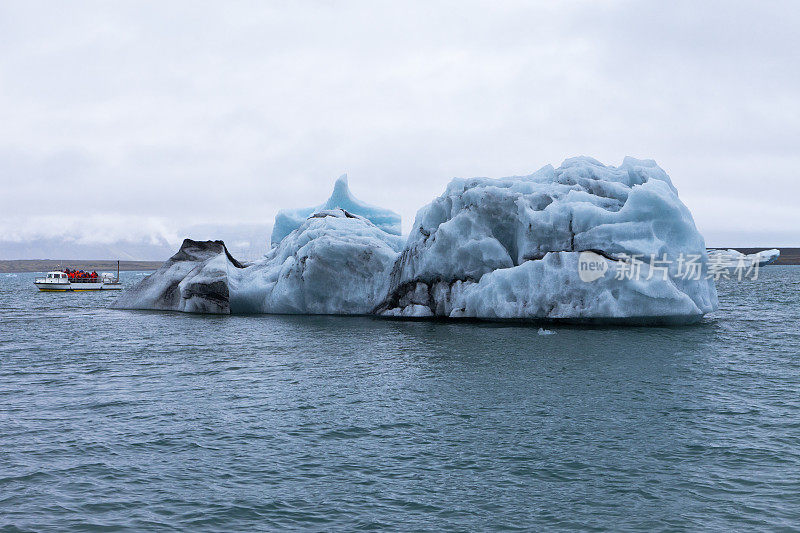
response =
{"points": [[543, 331], [735, 259]]}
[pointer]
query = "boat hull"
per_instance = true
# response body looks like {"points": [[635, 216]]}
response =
{"points": [[77, 287]]}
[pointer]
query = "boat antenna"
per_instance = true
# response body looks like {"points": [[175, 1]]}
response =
{"points": [[117, 269]]}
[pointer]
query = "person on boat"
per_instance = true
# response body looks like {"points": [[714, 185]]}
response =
{"points": [[94, 274]]}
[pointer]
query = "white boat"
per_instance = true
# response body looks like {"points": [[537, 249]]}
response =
{"points": [[58, 281]]}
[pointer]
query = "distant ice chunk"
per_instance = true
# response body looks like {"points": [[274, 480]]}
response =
{"points": [[288, 220], [543, 331], [767, 257], [731, 258]]}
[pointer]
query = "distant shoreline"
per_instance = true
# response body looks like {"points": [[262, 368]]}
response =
{"points": [[45, 265], [789, 256]]}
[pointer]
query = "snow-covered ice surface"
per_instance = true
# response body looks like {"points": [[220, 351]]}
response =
{"points": [[288, 220], [506, 248], [509, 248]]}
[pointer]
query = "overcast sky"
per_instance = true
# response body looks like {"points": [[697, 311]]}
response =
{"points": [[145, 117]]}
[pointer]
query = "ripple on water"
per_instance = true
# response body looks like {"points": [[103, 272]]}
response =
{"points": [[151, 421]]}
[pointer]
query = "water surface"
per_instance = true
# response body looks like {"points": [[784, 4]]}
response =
{"points": [[142, 420]]}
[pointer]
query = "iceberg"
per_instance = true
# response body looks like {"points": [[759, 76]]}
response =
{"points": [[583, 242], [510, 248], [767, 257], [731, 258], [194, 280], [334, 263], [288, 220]]}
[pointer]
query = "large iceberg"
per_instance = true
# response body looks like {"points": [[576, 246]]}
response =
{"points": [[288, 220], [511, 248], [583, 242]]}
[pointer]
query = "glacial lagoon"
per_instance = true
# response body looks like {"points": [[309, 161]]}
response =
{"points": [[142, 420]]}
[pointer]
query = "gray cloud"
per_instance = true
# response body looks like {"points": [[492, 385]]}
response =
{"points": [[191, 113]]}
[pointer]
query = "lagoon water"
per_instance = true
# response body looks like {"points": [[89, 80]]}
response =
{"points": [[143, 420]]}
